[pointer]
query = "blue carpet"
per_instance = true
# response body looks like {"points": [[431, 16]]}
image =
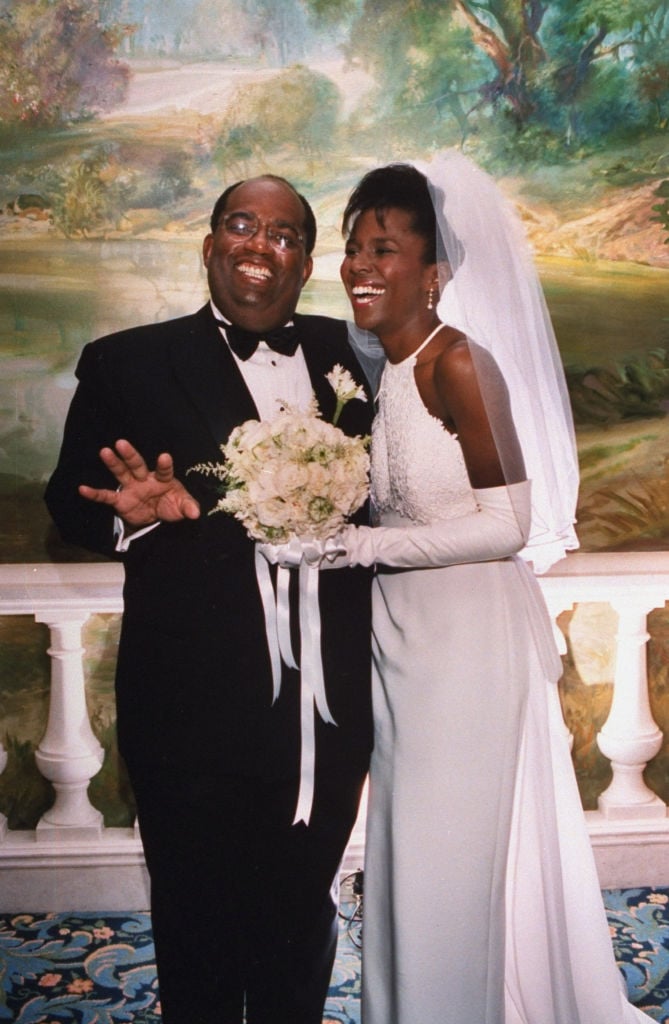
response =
{"points": [[99, 968]]}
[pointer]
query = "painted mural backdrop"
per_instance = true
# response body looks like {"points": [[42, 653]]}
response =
{"points": [[122, 120]]}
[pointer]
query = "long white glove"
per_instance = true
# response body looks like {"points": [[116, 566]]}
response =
{"points": [[499, 527]]}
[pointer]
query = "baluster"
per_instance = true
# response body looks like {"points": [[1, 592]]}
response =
{"points": [[68, 755], [630, 737]]}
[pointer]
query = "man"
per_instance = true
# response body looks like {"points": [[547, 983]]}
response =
{"points": [[243, 913]]}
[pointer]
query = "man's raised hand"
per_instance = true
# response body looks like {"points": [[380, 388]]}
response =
{"points": [[143, 496]]}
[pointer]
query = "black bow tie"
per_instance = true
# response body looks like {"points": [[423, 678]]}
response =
{"points": [[244, 343]]}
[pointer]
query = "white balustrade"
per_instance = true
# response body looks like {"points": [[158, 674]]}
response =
{"points": [[68, 755], [630, 737], [96, 867]]}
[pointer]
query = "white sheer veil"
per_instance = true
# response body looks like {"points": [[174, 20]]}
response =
{"points": [[490, 290]]}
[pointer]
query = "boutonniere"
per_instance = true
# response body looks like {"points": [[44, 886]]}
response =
{"points": [[345, 389]]}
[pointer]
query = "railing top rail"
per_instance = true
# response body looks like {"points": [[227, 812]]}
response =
{"points": [[576, 563], [60, 573], [654, 564], [31, 587]]}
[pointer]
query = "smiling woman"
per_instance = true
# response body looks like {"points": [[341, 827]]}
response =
{"points": [[388, 297], [473, 477]]}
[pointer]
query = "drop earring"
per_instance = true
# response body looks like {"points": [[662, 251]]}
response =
{"points": [[430, 297]]}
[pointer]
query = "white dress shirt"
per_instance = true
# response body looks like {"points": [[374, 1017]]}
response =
{"points": [[274, 380]]}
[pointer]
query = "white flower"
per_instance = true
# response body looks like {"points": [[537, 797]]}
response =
{"points": [[344, 386]]}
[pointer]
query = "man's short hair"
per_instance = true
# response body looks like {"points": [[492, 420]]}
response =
{"points": [[309, 218]]}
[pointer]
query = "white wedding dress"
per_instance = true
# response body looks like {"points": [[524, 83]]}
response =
{"points": [[482, 903]]}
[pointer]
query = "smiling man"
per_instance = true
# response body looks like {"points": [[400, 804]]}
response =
{"points": [[242, 899], [253, 283]]}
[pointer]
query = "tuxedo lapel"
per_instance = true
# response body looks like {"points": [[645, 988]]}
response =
{"points": [[206, 370], [321, 359], [319, 363], [325, 395]]}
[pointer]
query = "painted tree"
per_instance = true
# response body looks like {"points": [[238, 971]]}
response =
{"points": [[296, 110], [59, 62], [571, 70], [278, 30], [275, 31]]}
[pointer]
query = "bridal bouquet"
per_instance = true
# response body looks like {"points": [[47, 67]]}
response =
{"points": [[295, 475]]}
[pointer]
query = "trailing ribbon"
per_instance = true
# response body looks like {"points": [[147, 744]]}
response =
{"points": [[313, 697]]}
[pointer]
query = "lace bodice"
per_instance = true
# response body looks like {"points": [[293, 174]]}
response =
{"points": [[418, 469]]}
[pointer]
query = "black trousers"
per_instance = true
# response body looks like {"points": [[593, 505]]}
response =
{"points": [[243, 903]]}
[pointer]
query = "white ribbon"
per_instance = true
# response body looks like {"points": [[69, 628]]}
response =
{"points": [[283, 619], [277, 622], [312, 682]]}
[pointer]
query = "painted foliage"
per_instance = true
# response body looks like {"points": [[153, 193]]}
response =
{"points": [[122, 120]]}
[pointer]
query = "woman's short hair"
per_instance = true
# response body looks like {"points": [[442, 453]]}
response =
{"points": [[395, 186]]}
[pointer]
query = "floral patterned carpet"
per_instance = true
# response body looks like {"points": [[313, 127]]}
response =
{"points": [[99, 968]]}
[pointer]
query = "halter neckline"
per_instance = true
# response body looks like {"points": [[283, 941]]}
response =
{"points": [[423, 344]]}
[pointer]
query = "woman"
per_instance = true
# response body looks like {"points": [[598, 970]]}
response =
{"points": [[482, 904]]}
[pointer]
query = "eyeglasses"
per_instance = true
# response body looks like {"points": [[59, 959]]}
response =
{"points": [[242, 226]]}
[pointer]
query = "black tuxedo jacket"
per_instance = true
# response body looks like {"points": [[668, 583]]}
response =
{"points": [[193, 675]]}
